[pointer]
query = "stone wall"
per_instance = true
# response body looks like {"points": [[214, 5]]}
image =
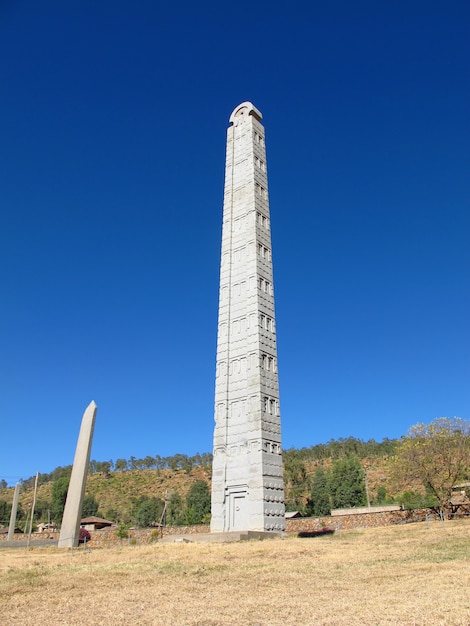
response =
{"points": [[107, 536], [141, 536], [363, 520]]}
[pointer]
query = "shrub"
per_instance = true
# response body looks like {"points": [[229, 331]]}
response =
{"points": [[122, 531]]}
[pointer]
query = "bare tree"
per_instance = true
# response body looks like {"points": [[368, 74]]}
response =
{"points": [[436, 454]]}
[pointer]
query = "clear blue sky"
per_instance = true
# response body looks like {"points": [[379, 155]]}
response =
{"points": [[113, 119]]}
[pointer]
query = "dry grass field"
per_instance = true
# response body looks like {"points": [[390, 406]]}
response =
{"points": [[396, 575]]}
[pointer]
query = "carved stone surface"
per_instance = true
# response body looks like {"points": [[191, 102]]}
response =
{"points": [[73, 505], [247, 478]]}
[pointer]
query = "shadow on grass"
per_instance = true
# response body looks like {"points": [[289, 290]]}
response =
{"points": [[315, 533]]}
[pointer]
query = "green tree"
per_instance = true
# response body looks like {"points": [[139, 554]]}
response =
{"points": [[148, 511], [414, 500], [437, 455], [347, 484], [20, 513], [60, 472], [149, 462], [173, 462], [198, 503], [5, 510], [90, 506], [176, 514], [187, 463], [296, 481], [381, 494], [122, 531], [112, 515], [319, 502], [59, 496], [103, 466], [41, 510], [120, 465], [206, 461]]}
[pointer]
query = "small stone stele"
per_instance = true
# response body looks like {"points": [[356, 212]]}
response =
{"points": [[69, 532]]}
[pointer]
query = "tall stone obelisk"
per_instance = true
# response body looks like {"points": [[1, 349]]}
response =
{"points": [[14, 510], [69, 531], [247, 479]]}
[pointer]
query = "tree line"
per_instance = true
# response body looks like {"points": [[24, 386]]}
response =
{"points": [[436, 455], [339, 448], [174, 462], [334, 449]]}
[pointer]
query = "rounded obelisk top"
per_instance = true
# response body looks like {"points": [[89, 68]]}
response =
{"points": [[245, 109]]}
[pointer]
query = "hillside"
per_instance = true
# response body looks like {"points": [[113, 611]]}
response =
{"points": [[117, 492], [120, 488]]}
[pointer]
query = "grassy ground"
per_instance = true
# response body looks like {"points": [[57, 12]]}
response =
{"points": [[397, 575]]}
